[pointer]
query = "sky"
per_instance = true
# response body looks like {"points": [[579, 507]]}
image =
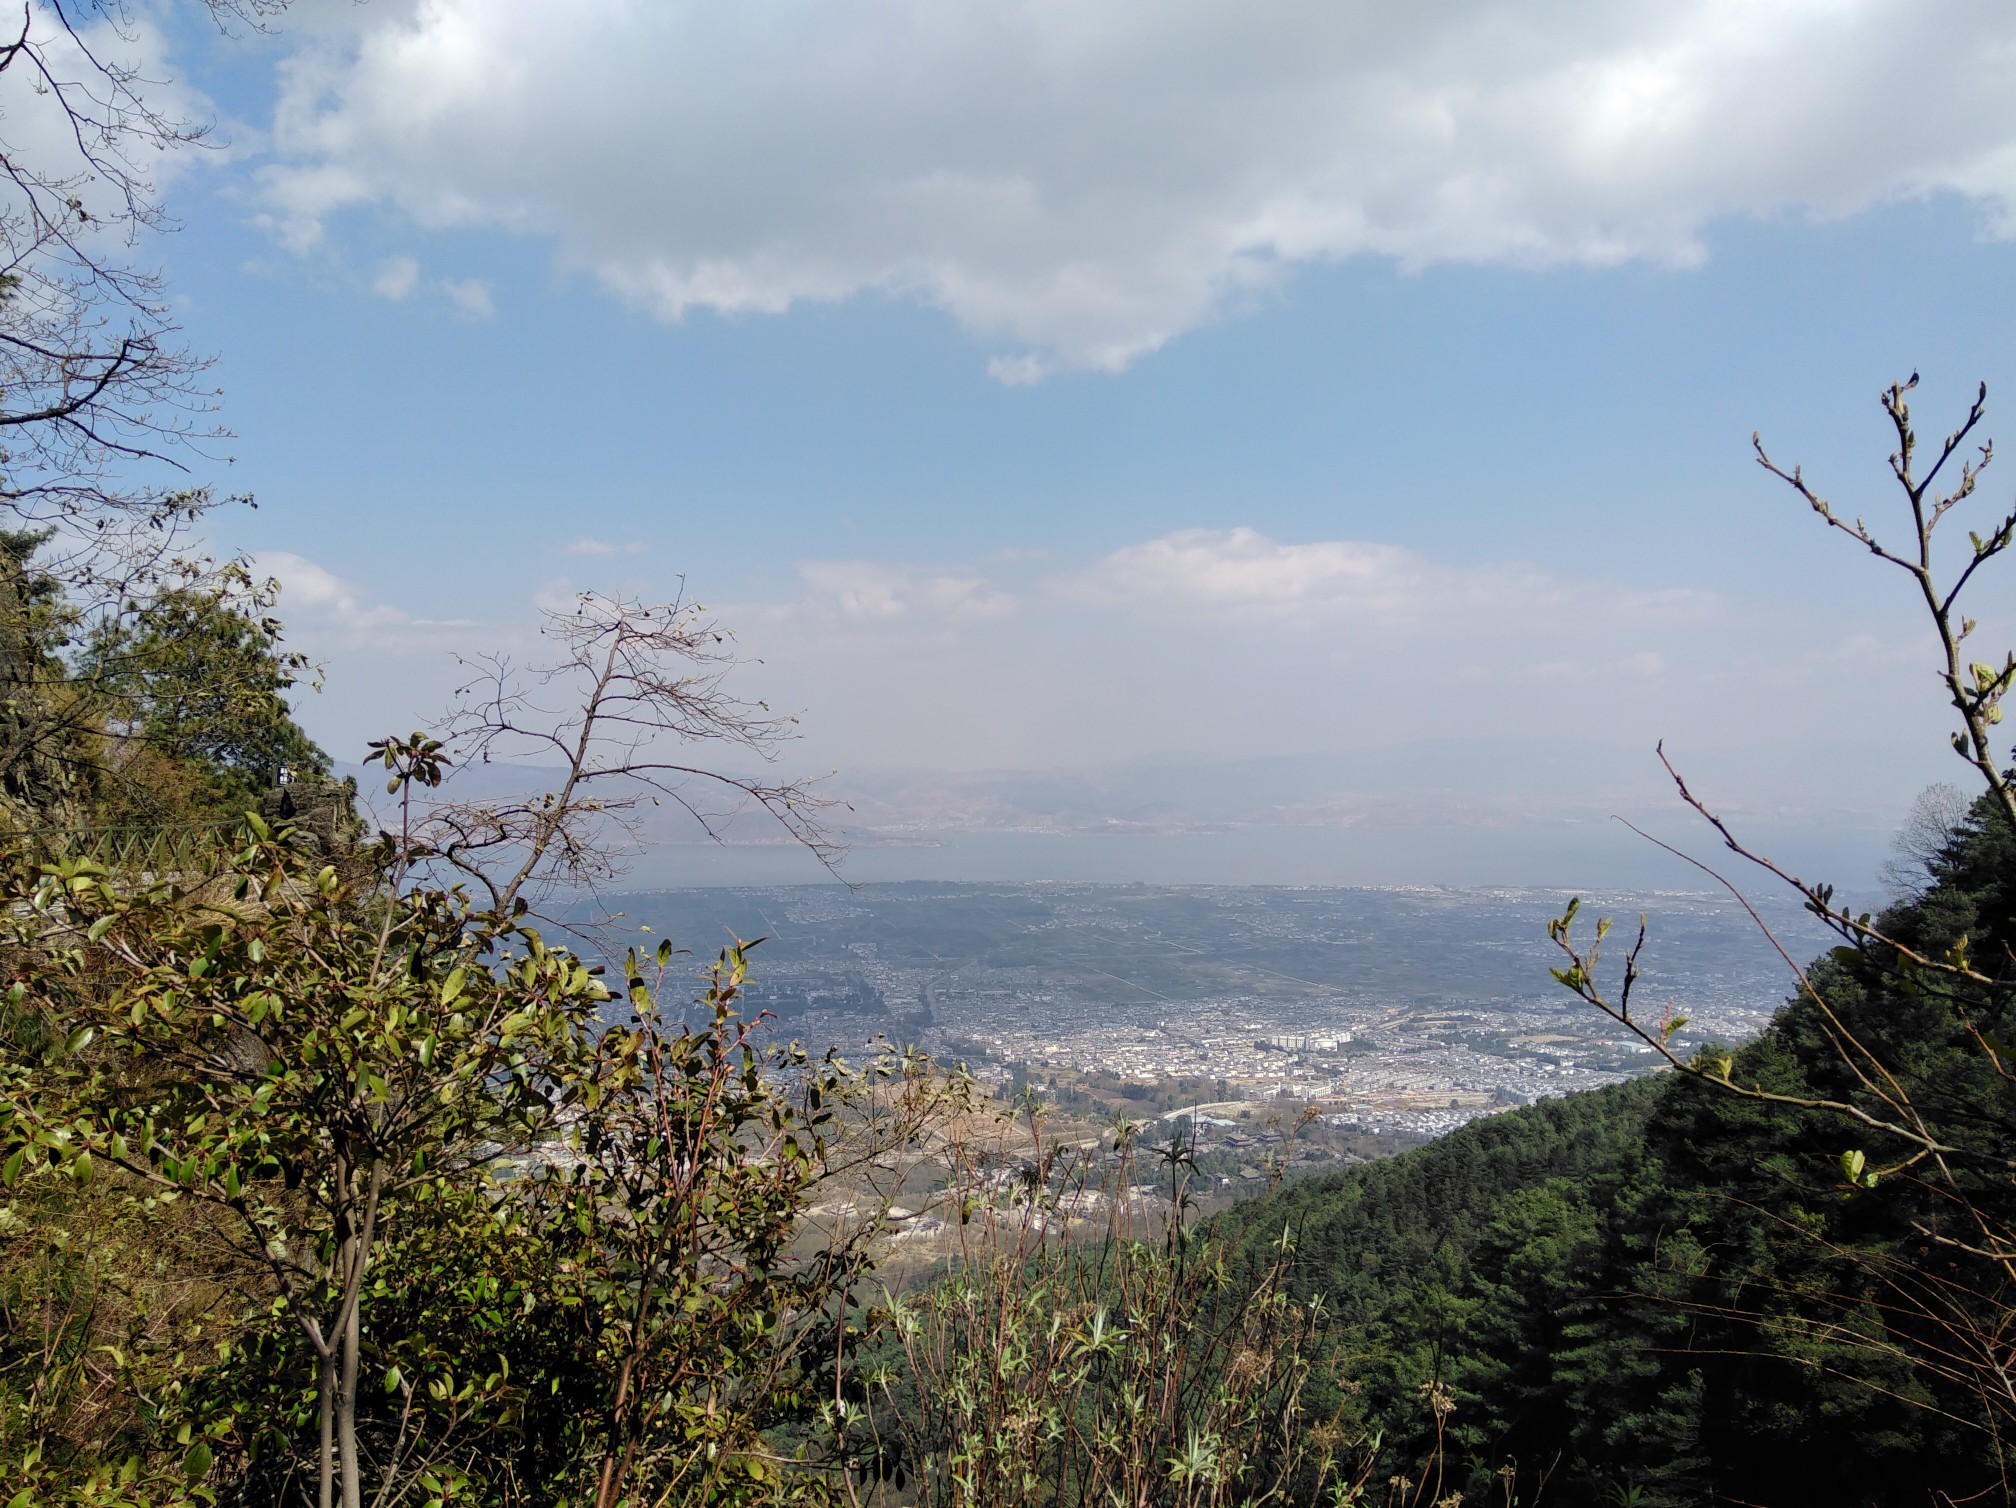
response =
{"points": [[1038, 385]]}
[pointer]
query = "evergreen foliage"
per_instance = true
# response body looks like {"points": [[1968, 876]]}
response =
{"points": [[164, 708], [196, 677], [1663, 1289]]}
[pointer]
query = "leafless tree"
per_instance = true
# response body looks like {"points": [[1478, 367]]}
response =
{"points": [[100, 402], [1936, 813], [613, 717], [103, 410]]}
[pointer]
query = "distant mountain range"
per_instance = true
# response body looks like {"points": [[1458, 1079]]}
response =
{"points": [[1440, 812], [1491, 784]]}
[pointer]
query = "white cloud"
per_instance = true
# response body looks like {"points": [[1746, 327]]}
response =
{"points": [[470, 295], [1240, 575], [321, 606], [869, 591], [397, 278], [1229, 643], [1025, 370], [1079, 183], [44, 139], [305, 584], [1217, 643], [589, 545], [559, 595]]}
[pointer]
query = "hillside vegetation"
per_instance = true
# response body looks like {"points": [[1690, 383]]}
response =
{"points": [[1663, 1290]]}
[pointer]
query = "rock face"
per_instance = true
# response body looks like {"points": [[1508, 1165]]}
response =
{"points": [[321, 809]]}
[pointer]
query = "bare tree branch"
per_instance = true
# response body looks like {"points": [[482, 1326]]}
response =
{"points": [[630, 693], [101, 406], [1960, 1326]]}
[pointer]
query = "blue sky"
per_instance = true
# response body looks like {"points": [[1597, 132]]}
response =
{"points": [[1040, 385]]}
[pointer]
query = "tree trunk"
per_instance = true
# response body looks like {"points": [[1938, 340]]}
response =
{"points": [[325, 1384], [346, 1398], [617, 1460], [356, 1250]]}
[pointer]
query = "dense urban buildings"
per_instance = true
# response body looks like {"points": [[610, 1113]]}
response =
{"points": [[1395, 1011]]}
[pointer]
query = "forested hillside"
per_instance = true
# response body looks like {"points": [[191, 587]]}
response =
{"points": [[1663, 1289]]}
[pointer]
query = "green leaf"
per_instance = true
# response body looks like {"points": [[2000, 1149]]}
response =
{"points": [[1852, 1164], [196, 1465]]}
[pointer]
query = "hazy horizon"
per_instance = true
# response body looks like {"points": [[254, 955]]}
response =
{"points": [[1536, 813], [1030, 395]]}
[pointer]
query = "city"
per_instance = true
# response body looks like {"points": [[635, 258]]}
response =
{"points": [[1379, 1017]]}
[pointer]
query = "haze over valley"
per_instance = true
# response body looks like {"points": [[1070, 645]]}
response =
{"points": [[1407, 1011]]}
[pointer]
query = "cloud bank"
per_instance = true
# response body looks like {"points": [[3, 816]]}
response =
{"points": [[1212, 645], [1079, 183], [1204, 640], [878, 592], [333, 614], [1243, 577]]}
